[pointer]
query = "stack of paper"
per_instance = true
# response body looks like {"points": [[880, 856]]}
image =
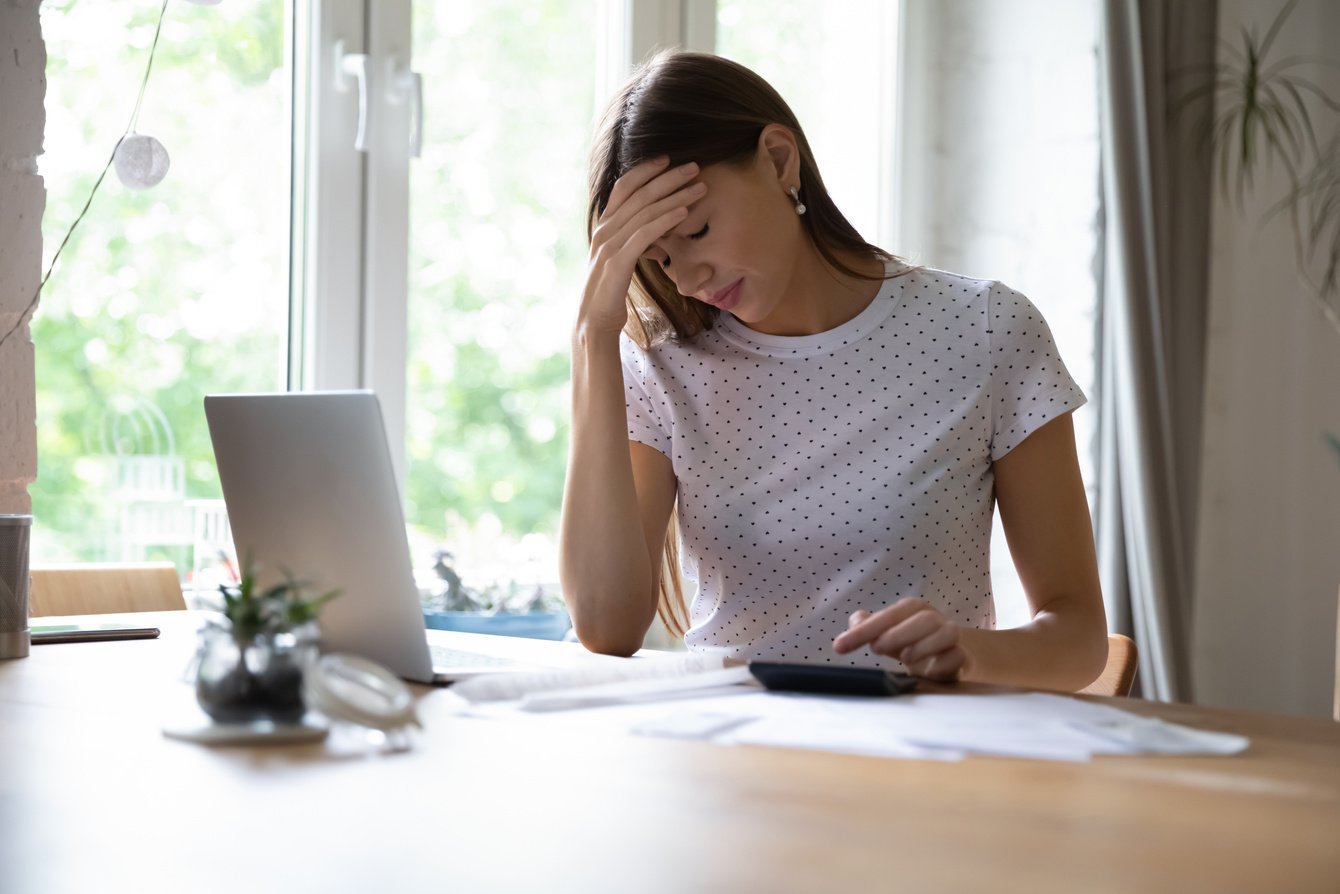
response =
{"points": [[721, 705]]}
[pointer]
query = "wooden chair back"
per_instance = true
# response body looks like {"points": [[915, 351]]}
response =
{"points": [[104, 588], [1119, 674]]}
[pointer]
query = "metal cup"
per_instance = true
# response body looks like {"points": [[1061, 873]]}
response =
{"points": [[14, 535]]}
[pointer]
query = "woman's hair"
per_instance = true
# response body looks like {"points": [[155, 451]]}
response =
{"points": [[696, 107]]}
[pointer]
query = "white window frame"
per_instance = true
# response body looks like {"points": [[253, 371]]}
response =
{"points": [[351, 245]]}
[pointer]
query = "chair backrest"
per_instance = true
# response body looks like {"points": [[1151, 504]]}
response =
{"points": [[104, 588], [1119, 674]]}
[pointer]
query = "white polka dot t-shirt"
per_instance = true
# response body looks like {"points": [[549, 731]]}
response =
{"points": [[827, 473]]}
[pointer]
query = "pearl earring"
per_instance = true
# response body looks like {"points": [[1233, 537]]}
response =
{"points": [[795, 197]]}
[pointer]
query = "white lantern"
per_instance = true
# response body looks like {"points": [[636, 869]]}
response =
{"points": [[141, 161]]}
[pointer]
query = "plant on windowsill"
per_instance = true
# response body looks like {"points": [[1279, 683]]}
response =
{"points": [[251, 658], [505, 610]]}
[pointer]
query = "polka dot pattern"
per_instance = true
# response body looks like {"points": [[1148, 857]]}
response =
{"points": [[823, 474]]}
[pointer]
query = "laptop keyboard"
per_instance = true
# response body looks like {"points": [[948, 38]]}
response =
{"points": [[445, 657]]}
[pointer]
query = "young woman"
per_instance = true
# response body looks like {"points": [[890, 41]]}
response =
{"points": [[833, 426]]}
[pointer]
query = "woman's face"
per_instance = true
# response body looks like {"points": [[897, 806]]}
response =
{"points": [[738, 248]]}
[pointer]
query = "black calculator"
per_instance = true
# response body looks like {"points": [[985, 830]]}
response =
{"points": [[831, 680]]}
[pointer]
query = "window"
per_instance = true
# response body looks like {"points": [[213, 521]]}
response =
{"points": [[164, 294], [497, 261], [836, 65]]}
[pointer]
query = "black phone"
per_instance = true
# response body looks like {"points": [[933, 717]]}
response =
{"points": [[832, 680], [86, 633]]}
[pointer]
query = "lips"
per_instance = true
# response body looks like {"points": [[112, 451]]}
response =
{"points": [[727, 297]]}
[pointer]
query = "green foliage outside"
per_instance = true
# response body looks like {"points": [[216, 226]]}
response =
{"points": [[166, 295], [162, 295], [497, 259]]}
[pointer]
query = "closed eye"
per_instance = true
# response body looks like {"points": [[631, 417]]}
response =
{"points": [[700, 234]]}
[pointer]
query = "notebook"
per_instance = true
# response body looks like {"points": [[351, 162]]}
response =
{"points": [[310, 489]]}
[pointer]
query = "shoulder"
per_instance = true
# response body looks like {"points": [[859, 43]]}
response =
{"points": [[667, 356], [944, 286]]}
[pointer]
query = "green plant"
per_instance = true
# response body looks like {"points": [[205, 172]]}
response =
{"points": [[1261, 114], [281, 608]]}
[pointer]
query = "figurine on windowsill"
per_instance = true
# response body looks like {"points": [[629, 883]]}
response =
{"points": [[502, 609]]}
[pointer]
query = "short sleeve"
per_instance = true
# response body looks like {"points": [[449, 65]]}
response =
{"points": [[644, 424], [1030, 384]]}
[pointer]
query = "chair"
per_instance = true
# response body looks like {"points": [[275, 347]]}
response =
{"points": [[104, 588], [1119, 674]]}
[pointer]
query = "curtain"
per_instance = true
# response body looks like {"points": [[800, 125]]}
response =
{"points": [[1154, 274]]}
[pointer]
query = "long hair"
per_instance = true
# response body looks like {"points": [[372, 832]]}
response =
{"points": [[701, 108]]}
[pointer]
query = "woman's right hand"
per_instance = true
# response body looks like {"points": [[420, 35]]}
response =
{"points": [[647, 202]]}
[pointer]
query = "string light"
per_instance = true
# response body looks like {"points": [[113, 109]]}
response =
{"points": [[141, 162]]}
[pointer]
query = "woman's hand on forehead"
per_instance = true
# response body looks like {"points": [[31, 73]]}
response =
{"points": [[646, 203]]}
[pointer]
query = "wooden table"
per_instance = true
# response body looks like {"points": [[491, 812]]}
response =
{"points": [[93, 798]]}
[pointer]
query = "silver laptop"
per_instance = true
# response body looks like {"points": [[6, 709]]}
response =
{"points": [[309, 486]]}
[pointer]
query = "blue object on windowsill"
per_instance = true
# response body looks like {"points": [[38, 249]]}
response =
{"points": [[536, 625]]}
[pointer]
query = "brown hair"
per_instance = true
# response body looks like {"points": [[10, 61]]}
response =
{"points": [[701, 108]]}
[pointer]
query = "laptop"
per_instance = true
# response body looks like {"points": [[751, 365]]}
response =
{"points": [[309, 486]]}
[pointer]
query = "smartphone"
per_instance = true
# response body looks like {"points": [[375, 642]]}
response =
{"points": [[87, 633], [831, 680]]}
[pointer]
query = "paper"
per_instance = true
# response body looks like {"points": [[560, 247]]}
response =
{"points": [[1037, 726], [509, 687], [633, 691], [690, 724]]}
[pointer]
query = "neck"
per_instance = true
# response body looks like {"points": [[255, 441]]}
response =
{"points": [[823, 297]]}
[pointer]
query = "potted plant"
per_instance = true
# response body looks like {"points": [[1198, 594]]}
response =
{"points": [[1257, 110], [251, 658], [503, 609]]}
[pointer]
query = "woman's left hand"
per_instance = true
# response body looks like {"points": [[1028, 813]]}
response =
{"points": [[911, 631]]}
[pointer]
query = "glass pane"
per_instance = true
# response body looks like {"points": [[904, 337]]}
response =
{"points": [[497, 259], [834, 65], [165, 294]]}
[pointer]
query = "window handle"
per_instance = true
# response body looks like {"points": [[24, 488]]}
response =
{"points": [[406, 85], [355, 66]]}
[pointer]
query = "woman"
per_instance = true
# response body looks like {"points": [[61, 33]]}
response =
{"points": [[832, 425]]}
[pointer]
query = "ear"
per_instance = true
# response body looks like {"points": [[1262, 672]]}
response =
{"points": [[778, 151]]}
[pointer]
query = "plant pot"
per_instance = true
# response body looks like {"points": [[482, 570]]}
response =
{"points": [[536, 625], [260, 679]]}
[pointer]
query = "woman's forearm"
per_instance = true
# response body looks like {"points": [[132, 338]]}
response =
{"points": [[1064, 648], [606, 572]]}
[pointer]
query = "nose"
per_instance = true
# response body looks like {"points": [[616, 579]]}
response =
{"points": [[689, 275]]}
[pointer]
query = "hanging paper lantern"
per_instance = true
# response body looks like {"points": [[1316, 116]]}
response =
{"points": [[141, 161]]}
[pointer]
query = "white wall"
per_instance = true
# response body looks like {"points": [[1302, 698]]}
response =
{"points": [[22, 199], [1268, 557]]}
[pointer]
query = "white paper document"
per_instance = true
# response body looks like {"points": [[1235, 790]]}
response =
{"points": [[510, 687], [720, 706]]}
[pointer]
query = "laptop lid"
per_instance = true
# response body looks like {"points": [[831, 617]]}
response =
{"points": [[309, 485]]}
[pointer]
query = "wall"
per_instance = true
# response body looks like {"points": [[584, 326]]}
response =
{"points": [[1268, 556], [22, 199]]}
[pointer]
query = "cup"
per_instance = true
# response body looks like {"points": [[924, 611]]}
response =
{"points": [[14, 534]]}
